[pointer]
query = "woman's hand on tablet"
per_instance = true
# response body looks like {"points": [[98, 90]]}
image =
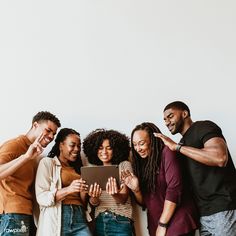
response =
{"points": [[111, 186], [94, 192]]}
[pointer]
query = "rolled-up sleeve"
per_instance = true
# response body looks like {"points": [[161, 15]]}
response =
{"points": [[173, 176], [45, 187]]}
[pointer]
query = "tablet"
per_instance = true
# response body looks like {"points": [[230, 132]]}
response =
{"points": [[100, 174]]}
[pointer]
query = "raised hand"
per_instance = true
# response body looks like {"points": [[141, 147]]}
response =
{"points": [[130, 180], [35, 149], [167, 141]]}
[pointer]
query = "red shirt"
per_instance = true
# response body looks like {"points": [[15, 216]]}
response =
{"points": [[170, 187]]}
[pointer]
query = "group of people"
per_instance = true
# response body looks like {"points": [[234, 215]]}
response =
{"points": [[184, 186]]}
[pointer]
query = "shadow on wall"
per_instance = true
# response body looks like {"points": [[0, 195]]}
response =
{"points": [[140, 220]]}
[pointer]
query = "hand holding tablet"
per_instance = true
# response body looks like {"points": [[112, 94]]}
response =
{"points": [[101, 175]]}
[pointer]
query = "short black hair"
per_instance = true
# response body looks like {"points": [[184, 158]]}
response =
{"points": [[178, 105], [44, 116], [119, 144]]}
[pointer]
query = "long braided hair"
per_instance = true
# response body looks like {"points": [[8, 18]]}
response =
{"points": [[146, 169], [55, 151]]}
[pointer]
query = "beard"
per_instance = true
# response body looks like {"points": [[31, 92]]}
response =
{"points": [[178, 127]]}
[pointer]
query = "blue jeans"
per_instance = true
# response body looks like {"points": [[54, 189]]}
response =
{"points": [[73, 221], [15, 224], [110, 224]]}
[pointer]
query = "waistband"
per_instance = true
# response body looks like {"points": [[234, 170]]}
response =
{"points": [[15, 214], [72, 205], [110, 213]]}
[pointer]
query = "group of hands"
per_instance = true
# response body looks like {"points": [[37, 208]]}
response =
{"points": [[112, 187], [127, 177], [79, 185], [95, 191]]}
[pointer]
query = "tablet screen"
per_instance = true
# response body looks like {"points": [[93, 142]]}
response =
{"points": [[100, 174]]}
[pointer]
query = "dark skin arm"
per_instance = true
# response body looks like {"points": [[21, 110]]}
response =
{"points": [[167, 213], [34, 150], [214, 152]]}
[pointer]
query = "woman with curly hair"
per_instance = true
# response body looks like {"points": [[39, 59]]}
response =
{"points": [[60, 191], [157, 185], [113, 212]]}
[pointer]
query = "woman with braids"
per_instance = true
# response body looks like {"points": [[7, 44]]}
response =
{"points": [[157, 185], [60, 191], [113, 212]]}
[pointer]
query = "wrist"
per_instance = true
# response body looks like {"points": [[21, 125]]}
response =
{"points": [[136, 190], [178, 147], [94, 201], [164, 225], [67, 190], [26, 156]]}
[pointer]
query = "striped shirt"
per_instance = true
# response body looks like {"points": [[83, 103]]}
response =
{"points": [[108, 203]]}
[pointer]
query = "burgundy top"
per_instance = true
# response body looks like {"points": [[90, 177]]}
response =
{"points": [[170, 187]]}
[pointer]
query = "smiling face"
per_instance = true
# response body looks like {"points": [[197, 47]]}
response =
{"points": [[105, 152], [48, 129], [174, 120], [141, 143], [70, 148]]}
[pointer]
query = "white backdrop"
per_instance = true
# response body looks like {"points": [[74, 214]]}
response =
{"points": [[114, 64]]}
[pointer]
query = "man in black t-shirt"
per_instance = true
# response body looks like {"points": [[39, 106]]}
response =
{"points": [[209, 166]]}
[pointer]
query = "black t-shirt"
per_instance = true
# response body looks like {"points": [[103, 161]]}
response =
{"points": [[214, 187]]}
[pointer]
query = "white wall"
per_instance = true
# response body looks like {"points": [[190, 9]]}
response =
{"points": [[115, 64]]}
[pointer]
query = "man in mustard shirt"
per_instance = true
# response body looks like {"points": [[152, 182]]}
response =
{"points": [[18, 165]]}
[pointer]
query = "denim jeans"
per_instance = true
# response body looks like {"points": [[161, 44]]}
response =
{"points": [[15, 224], [73, 221], [218, 224], [110, 224]]}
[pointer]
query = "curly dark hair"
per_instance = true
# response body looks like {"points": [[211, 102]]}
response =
{"points": [[45, 115], [55, 151], [119, 144], [146, 169]]}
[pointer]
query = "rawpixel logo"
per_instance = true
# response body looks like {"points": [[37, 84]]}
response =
{"points": [[23, 229]]}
